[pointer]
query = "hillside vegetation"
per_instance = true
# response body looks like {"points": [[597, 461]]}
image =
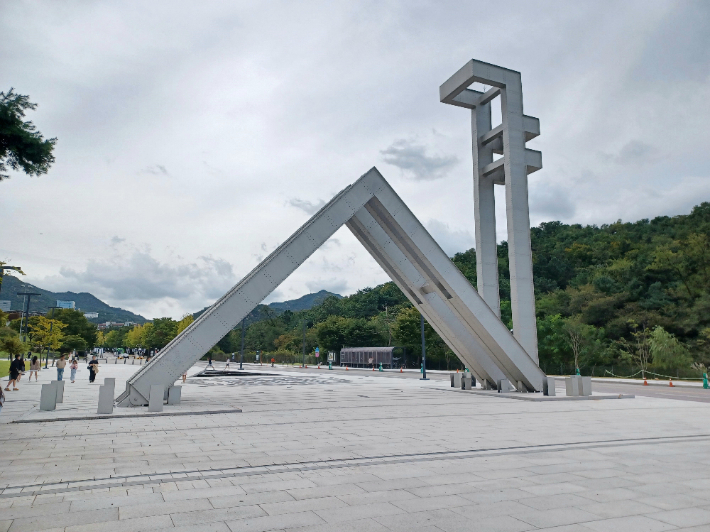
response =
{"points": [[627, 295]]}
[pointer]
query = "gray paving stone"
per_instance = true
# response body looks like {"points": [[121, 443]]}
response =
{"points": [[35, 524], [164, 508], [352, 513], [140, 524], [686, 517], [638, 523], [275, 522]]}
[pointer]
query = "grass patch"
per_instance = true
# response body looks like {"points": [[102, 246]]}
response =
{"points": [[5, 367]]}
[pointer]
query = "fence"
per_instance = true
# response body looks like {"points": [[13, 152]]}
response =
{"points": [[628, 372]]}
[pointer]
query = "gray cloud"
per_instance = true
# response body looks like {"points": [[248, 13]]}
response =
{"points": [[413, 160], [115, 240], [157, 169], [138, 280], [549, 202], [307, 206], [636, 152], [450, 240]]}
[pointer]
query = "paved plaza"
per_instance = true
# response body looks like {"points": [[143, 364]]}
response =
{"points": [[351, 451]]}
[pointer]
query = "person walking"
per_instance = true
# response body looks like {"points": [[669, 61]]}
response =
{"points": [[74, 366], [209, 364], [93, 368], [61, 364], [34, 367], [22, 366], [15, 373]]}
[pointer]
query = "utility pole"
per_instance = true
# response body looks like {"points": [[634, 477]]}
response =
{"points": [[423, 350], [27, 310], [304, 344], [241, 353], [51, 326]]}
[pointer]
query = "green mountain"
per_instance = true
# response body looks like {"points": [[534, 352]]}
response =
{"points": [[263, 312], [85, 302]]}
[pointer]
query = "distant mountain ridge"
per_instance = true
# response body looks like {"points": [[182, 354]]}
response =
{"points": [[84, 301], [279, 307]]}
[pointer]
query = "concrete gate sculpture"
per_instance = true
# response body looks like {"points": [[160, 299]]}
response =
{"points": [[468, 322], [406, 251]]}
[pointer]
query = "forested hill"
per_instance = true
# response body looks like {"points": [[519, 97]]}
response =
{"points": [[634, 294], [86, 302]]}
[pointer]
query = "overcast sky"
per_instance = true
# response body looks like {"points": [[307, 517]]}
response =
{"points": [[194, 137]]}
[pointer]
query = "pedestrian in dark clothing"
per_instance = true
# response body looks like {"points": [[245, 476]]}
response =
{"points": [[16, 367], [93, 369]]}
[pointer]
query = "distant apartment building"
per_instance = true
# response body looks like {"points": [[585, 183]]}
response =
{"points": [[91, 315], [114, 324]]}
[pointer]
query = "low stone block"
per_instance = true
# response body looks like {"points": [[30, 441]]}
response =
{"points": [[174, 394], [456, 380], [548, 386], [466, 382], [60, 390], [572, 385], [48, 397], [503, 386], [105, 400], [586, 386], [155, 402]]}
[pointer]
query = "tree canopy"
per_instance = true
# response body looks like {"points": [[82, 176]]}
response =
{"points": [[22, 147]]}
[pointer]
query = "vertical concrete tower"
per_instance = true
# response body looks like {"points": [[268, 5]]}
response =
{"points": [[511, 170]]}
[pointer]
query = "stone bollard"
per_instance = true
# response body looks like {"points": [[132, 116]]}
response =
{"points": [[106, 391], [586, 386], [174, 395], [466, 381], [572, 385], [456, 380], [548, 386], [155, 401], [60, 390], [503, 386], [48, 397]]}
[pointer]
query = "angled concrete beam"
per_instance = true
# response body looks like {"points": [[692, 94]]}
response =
{"points": [[405, 250]]}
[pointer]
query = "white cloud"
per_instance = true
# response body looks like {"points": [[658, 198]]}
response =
{"points": [[414, 160], [187, 130]]}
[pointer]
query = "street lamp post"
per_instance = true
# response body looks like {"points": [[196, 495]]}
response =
{"points": [[423, 350], [27, 310], [51, 326], [241, 353]]}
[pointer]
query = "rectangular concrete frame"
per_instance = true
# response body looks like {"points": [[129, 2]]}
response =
{"points": [[511, 170], [405, 250], [48, 396], [60, 391]]}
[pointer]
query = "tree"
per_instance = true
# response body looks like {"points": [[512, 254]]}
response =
{"points": [[667, 351], [47, 333], [21, 145], [77, 325], [184, 323], [640, 348], [162, 331], [73, 343], [12, 345]]}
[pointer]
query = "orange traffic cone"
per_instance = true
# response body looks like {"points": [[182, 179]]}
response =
{"points": [[671, 384], [373, 368], [346, 368], [319, 365], [645, 382], [457, 370], [401, 370]]}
